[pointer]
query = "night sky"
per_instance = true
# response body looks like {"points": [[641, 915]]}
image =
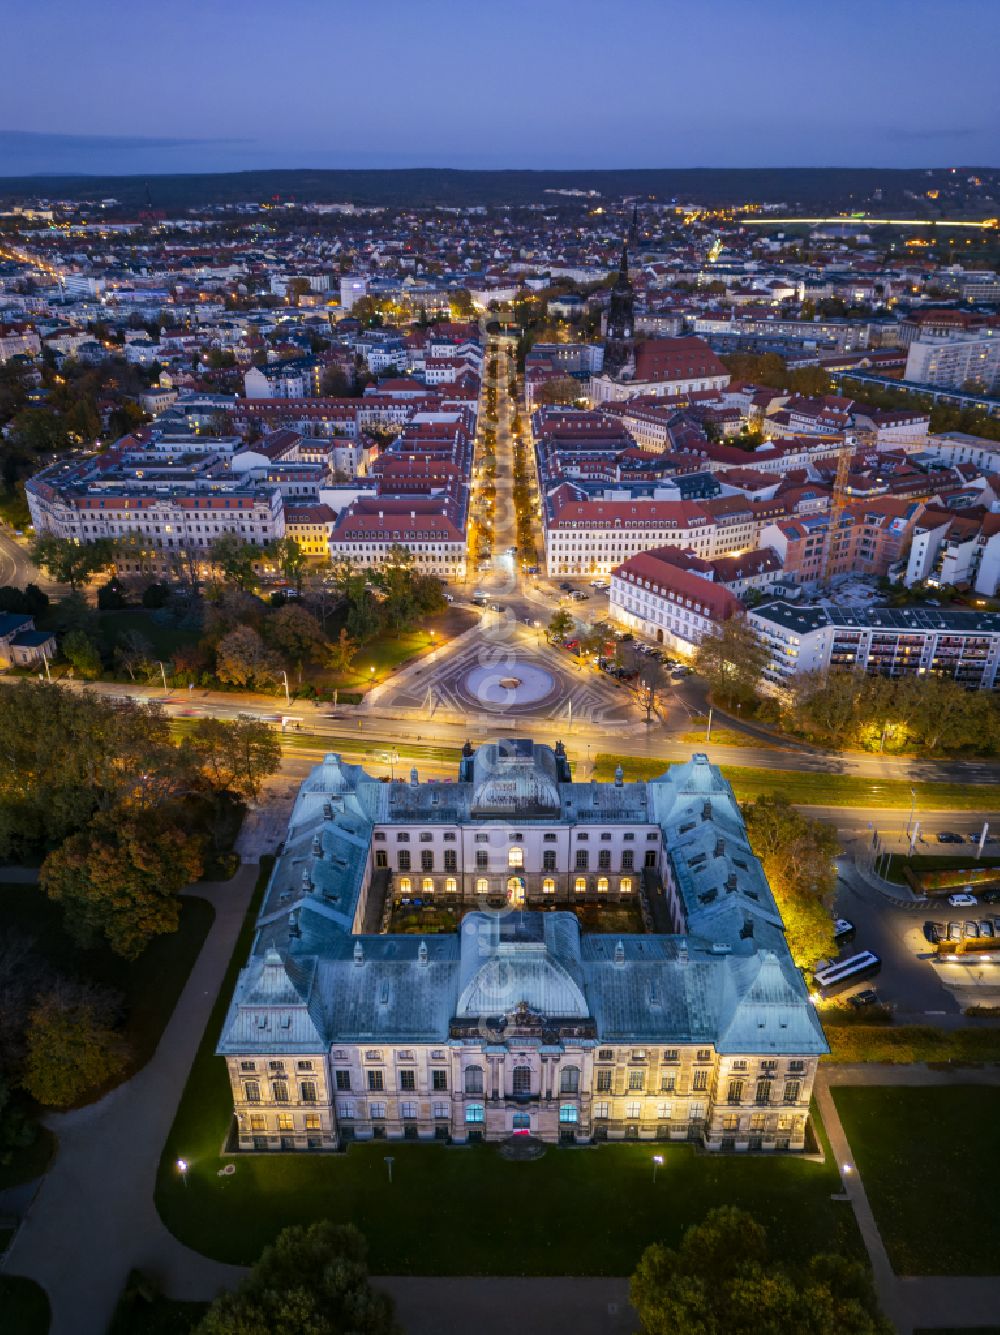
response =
{"points": [[218, 85]]}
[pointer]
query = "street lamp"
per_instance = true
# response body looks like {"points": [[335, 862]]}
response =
{"points": [[389, 1161], [657, 1163], [182, 1168]]}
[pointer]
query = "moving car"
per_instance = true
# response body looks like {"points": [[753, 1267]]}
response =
{"points": [[949, 837], [843, 930]]}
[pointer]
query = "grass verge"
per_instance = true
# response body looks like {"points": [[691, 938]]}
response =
{"points": [[142, 1310], [900, 1045], [939, 1172], [807, 788]]}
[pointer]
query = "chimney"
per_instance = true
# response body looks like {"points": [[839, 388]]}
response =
{"points": [[619, 776], [682, 952], [317, 847], [413, 776], [359, 954], [619, 954], [422, 952]]}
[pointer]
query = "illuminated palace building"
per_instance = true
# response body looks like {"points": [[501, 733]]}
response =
{"points": [[695, 1025]]}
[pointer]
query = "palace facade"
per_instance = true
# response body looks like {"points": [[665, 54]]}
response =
{"points": [[698, 1027]]}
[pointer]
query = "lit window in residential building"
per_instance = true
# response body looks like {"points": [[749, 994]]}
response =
{"points": [[482, 886], [568, 1112], [404, 885], [580, 885], [475, 1113], [633, 1109], [625, 885], [515, 856], [548, 886]]}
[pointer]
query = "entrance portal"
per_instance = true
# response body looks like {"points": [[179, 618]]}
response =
{"points": [[515, 891]]}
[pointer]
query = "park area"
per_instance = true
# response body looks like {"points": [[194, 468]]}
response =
{"points": [[926, 1155]]}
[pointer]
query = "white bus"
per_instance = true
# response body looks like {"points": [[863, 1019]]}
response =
{"points": [[845, 973]]}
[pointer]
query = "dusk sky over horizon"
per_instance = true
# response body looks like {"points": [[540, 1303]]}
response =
{"points": [[214, 86]]}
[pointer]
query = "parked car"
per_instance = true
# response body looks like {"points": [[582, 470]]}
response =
{"points": [[971, 930], [954, 931], [843, 930], [949, 837], [869, 997], [935, 931], [991, 896], [962, 900], [986, 928]]}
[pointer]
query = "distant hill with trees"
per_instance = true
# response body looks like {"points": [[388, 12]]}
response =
{"points": [[798, 187]]}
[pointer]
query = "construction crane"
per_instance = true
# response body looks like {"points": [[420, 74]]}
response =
{"points": [[838, 503]]}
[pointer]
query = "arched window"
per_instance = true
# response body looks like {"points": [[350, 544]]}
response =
{"points": [[404, 885], [482, 886], [473, 1080], [450, 884], [569, 1080], [580, 885], [548, 886], [625, 885], [602, 885], [427, 885], [522, 1079], [515, 856]]}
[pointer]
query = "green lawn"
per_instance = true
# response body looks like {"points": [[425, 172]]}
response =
{"points": [[903, 1044], [501, 1218], [807, 788], [24, 1306], [927, 1159]]}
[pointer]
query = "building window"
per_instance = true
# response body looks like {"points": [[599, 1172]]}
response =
{"points": [[797, 1067], [408, 1110], [475, 1113], [439, 1079], [548, 859], [650, 860], [286, 1122], [450, 859], [604, 859], [403, 859], [663, 1111], [450, 885], [792, 1088], [548, 838], [473, 1080], [628, 859], [308, 1091], [426, 859], [482, 886], [569, 1080], [522, 1080], [441, 1111], [258, 1122], [279, 1091], [637, 1079], [312, 1122], [303, 1066], [580, 885], [735, 1091], [343, 1079], [482, 859], [381, 858], [700, 1080], [625, 885], [582, 859], [602, 885], [405, 885], [515, 857], [602, 1111], [427, 885], [731, 1122], [604, 1082], [248, 1066], [763, 1091], [703, 1055], [668, 1083], [482, 838], [407, 1079], [548, 886], [376, 1080], [376, 1111], [633, 1109], [251, 1091], [568, 1113]]}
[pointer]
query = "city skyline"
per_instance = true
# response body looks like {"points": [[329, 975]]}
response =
{"points": [[568, 87]]}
